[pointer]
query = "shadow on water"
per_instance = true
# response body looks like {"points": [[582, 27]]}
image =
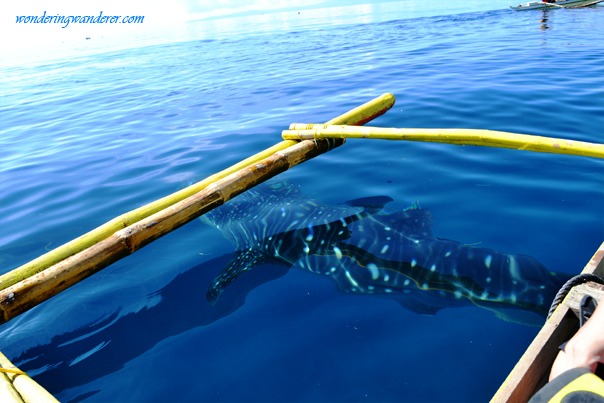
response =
{"points": [[83, 355]]}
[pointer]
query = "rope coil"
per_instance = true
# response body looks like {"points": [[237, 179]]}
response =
{"points": [[565, 289]]}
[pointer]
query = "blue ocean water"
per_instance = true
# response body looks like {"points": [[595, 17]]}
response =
{"points": [[86, 138]]}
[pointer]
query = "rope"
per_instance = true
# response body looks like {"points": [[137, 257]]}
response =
{"points": [[13, 371], [565, 289]]}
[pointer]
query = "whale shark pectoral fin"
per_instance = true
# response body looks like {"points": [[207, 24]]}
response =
{"points": [[241, 262]]}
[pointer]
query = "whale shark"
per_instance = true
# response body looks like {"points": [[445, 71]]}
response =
{"points": [[369, 250]]}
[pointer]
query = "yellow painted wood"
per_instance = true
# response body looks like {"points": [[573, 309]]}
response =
{"points": [[475, 137]]}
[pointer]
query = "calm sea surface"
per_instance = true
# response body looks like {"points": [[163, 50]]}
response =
{"points": [[84, 139]]}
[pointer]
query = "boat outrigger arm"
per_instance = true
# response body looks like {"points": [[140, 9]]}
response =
{"points": [[38, 280]]}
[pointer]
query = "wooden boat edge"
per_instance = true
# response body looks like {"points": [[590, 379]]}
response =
{"points": [[532, 370]]}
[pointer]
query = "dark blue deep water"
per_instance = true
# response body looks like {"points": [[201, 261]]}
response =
{"points": [[84, 139]]}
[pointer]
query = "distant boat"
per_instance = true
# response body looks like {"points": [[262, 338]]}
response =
{"points": [[535, 5]]}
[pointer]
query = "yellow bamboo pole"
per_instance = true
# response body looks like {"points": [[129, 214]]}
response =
{"points": [[8, 393], [98, 234], [17, 386], [476, 137], [33, 289], [359, 115]]}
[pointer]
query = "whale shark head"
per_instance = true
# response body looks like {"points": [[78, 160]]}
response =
{"points": [[368, 250], [261, 212]]}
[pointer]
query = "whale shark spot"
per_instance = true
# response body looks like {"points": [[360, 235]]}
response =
{"points": [[351, 279], [373, 269]]}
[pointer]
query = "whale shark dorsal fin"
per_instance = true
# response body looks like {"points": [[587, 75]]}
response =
{"points": [[414, 222], [241, 262], [374, 202], [370, 206]]}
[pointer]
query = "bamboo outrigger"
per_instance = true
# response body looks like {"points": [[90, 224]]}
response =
{"points": [[27, 286], [17, 387], [40, 279], [53, 272], [474, 137]]}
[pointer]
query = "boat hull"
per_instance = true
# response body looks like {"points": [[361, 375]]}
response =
{"points": [[539, 5]]}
